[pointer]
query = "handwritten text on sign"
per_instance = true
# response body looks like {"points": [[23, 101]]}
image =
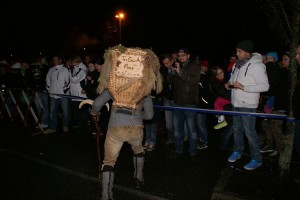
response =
{"points": [[130, 66]]}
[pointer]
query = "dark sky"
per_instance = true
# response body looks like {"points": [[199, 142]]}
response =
{"points": [[207, 27]]}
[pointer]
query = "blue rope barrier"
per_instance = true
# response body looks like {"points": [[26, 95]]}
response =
{"points": [[200, 110], [67, 96], [224, 112]]}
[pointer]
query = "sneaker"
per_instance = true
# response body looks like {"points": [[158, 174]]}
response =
{"points": [[220, 125], [65, 129], [234, 157], [274, 153], [146, 145], [253, 164], [94, 133], [151, 147], [49, 131], [266, 149], [41, 125], [138, 184], [201, 144]]}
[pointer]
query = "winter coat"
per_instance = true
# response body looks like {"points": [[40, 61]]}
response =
{"points": [[58, 81], [253, 76], [77, 80], [186, 84]]}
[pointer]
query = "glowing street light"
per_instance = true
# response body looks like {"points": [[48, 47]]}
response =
{"points": [[120, 16]]}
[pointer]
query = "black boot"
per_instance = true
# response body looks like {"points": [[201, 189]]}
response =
{"points": [[107, 183], [138, 162]]}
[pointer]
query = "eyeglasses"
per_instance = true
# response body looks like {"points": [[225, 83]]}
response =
{"points": [[219, 73]]}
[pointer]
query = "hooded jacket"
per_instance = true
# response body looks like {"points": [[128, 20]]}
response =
{"points": [[57, 81], [254, 77], [77, 76]]}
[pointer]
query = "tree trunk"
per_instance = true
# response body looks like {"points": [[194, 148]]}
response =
{"points": [[287, 149], [288, 136]]}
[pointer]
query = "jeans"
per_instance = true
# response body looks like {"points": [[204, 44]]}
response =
{"points": [[179, 118], [54, 105], [150, 132], [297, 136], [246, 124], [151, 127], [41, 104], [202, 127], [169, 120], [226, 137]]}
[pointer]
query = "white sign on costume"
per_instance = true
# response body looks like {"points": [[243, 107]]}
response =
{"points": [[129, 66]]}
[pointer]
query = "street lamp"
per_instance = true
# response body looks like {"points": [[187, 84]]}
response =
{"points": [[120, 16]]}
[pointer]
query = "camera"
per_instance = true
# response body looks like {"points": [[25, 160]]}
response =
{"points": [[174, 63]]}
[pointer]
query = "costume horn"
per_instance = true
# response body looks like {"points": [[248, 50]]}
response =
{"points": [[89, 101]]}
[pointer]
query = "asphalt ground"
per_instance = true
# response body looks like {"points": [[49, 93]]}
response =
{"points": [[66, 166]]}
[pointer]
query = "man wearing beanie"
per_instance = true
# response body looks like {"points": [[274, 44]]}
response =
{"points": [[245, 45], [248, 80]]}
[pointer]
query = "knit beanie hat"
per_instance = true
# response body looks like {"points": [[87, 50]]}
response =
{"points": [[245, 45], [273, 54]]}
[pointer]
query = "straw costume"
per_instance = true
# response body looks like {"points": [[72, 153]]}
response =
{"points": [[128, 76]]}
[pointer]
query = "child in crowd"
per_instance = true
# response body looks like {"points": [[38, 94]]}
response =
{"points": [[221, 93], [91, 81]]}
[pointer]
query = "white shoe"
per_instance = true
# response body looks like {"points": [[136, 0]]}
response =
{"points": [[42, 125], [151, 147]]}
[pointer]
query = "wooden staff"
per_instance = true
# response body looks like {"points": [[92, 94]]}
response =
{"points": [[99, 133], [98, 139]]}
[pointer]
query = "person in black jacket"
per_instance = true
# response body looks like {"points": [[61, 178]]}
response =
{"points": [[205, 101], [221, 93], [278, 80], [185, 78], [91, 83], [36, 79]]}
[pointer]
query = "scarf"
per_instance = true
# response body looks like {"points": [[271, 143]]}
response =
{"points": [[240, 63]]}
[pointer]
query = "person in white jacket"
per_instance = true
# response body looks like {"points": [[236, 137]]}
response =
{"points": [[58, 85], [80, 117], [248, 80]]}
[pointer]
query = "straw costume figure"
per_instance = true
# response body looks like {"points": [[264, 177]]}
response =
{"points": [[128, 76]]}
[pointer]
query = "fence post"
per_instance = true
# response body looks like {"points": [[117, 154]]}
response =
{"points": [[5, 104]]}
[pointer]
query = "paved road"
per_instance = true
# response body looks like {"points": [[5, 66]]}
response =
{"points": [[43, 167], [66, 167]]}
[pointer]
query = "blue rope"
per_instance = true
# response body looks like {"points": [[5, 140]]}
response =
{"points": [[224, 112], [199, 110]]}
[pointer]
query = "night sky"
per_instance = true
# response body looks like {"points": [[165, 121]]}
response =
{"points": [[208, 28]]}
